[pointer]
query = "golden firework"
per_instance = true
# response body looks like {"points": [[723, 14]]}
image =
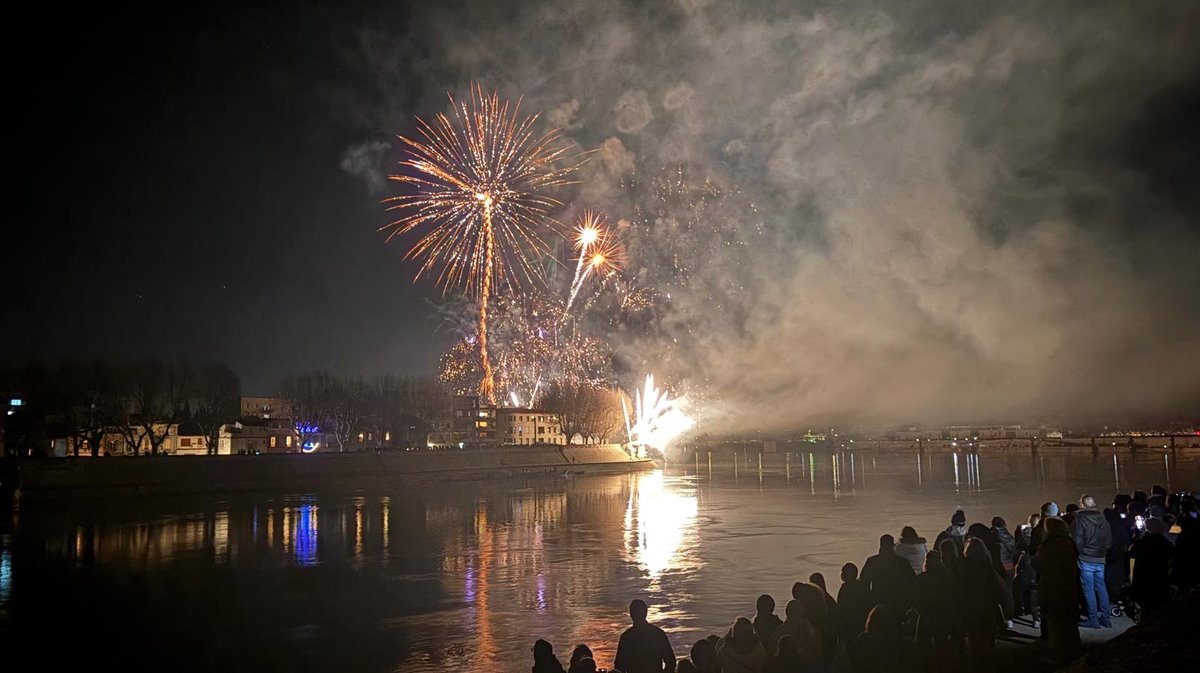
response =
{"points": [[478, 206]]}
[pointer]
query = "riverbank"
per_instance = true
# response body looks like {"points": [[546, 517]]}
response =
{"points": [[1165, 641], [189, 475]]}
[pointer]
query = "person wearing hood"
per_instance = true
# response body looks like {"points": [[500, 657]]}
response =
{"points": [[798, 625], [936, 609], [829, 626], [956, 532], [1151, 556], [877, 649], [741, 651], [1092, 540], [1057, 566], [981, 593], [765, 620], [704, 656], [912, 548]]}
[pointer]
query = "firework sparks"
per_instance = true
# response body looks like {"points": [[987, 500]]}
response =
{"points": [[599, 252], [657, 419], [478, 205]]}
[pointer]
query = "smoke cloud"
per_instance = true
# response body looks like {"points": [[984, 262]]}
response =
{"points": [[919, 211]]}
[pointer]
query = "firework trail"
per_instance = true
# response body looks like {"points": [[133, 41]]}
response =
{"points": [[657, 419], [599, 252], [477, 205]]}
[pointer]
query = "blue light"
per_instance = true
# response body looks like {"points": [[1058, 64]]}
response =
{"points": [[16, 402]]}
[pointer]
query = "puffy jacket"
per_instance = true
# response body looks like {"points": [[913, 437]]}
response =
{"points": [[1008, 546], [1092, 535]]}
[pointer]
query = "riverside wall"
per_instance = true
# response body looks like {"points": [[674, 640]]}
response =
{"points": [[175, 475]]}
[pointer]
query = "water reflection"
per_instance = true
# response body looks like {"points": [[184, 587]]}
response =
{"points": [[659, 522], [462, 577]]}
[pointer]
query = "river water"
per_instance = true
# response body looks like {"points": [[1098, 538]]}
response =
{"points": [[464, 576]]}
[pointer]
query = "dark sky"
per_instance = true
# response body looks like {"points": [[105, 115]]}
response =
{"points": [[929, 210], [180, 194]]}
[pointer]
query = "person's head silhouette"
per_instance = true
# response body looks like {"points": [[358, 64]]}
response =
{"points": [[638, 611]]}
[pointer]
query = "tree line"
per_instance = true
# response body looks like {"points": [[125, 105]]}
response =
{"points": [[85, 401]]}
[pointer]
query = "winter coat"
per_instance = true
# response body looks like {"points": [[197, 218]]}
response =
{"points": [[1057, 567], [1092, 535], [765, 625], [735, 659], [956, 533], [1151, 562], [980, 593], [1007, 546], [854, 602], [935, 604], [890, 578], [913, 550]]}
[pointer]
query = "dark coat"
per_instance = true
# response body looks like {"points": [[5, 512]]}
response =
{"points": [[890, 578], [935, 604], [1092, 536], [1057, 567], [1151, 564], [1007, 545], [854, 602]]}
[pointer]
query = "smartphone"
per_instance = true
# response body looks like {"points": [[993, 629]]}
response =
{"points": [[1140, 522]]}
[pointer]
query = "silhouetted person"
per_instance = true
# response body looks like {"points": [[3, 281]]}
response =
{"points": [[829, 626], [643, 648], [544, 660], [581, 651], [1057, 567], [685, 666], [980, 593], [1049, 509], [877, 648], [956, 532], [798, 625], [1116, 561], [937, 614], [1185, 570], [787, 660], [1151, 557], [951, 556], [704, 656], [984, 534], [741, 651], [912, 548], [765, 620], [813, 599], [588, 665], [889, 576], [1092, 541], [1069, 514], [854, 602]]}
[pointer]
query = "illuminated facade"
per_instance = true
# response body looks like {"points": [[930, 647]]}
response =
{"points": [[471, 424]]}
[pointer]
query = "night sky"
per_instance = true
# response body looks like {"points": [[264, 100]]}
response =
{"points": [[933, 210], [182, 196]]}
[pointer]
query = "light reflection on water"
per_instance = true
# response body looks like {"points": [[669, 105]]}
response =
{"points": [[465, 576]]}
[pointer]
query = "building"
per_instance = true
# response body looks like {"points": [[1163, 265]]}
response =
{"points": [[264, 407], [469, 423]]}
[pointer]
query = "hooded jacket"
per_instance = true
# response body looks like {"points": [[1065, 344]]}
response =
{"points": [[913, 550], [1092, 536]]}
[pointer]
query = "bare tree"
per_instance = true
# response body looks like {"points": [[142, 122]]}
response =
{"points": [[347, 405], [216, 392], [156, 394], [308, 397], [591, 412]]}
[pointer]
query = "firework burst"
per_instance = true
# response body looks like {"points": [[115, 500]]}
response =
{"points": [[657, 419], [478, 207]]}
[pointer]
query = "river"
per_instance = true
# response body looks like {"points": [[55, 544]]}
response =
{"points": [[464, 576]]}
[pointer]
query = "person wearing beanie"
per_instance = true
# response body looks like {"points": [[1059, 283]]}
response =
{"points": [[957, 531]]}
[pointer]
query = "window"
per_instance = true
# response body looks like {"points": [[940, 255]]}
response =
{"points": [[185, 442], [387, 436], [361, 437], [274, 439], [481, 424], [287, 441], [541, 430]]}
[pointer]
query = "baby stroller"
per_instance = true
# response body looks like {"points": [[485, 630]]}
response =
{"points": [[1125, 605]]}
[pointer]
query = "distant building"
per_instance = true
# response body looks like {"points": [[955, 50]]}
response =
{"points": [[469, 423], [264, 407]]}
